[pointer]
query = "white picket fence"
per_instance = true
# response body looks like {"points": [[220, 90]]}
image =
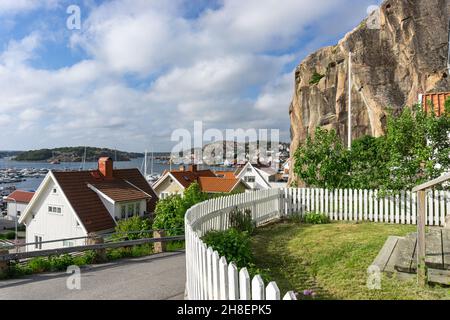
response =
{"points": [[210, 277], [368, 205]]}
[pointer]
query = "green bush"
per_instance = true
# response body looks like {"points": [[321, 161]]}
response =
{"points": [[135, 225], [59, 263], [169, 212], [8, 236], [242, 221], [316, 218], [87, 258], [39, 264], [234, 245]]}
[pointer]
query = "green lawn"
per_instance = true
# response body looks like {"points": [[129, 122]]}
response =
{"points": [[332, 260]]}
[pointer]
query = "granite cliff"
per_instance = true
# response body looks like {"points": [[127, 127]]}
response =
{"points": [[399, 52]]}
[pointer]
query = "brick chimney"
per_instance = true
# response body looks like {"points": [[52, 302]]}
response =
{"points": [[105, 166], [193, 168], [181, 168]]}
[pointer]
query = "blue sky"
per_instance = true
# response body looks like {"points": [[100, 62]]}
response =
{"points": [[139, 69]]}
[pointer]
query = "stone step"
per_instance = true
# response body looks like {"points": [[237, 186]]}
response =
{"points": [[403, 255], [384, 257], [439, 276]]}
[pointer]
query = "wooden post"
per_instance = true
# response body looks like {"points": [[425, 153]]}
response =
{"points": [[4, 265], [159, 247], [100, 254], [421, 222]]}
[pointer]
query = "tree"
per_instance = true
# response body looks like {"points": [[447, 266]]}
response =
{"points": [[169, 212], [136, 225], [323, 161], [418, 145]]}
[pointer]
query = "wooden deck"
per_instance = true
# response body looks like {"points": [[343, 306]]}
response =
{"points": [[399, 256]]}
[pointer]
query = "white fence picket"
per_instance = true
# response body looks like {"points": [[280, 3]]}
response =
{"points": [[272, 291], [233, 282], [244, 285], [223, 278], [257, 288]]}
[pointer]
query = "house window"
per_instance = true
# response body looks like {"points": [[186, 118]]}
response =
{"points": [[130, 210], [249, 169], [54, 191], [68, 243], [123, 211], [38, 242], [249, 179], [137, 208], [54, 210]]}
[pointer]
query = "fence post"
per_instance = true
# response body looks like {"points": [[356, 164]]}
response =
{"points": [[159, 247], [100, 254], [4, 265], [421, 222]]}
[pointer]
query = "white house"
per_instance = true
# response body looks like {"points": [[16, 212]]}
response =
{"points": [[259, 177], [17, 203], [80, 203]]}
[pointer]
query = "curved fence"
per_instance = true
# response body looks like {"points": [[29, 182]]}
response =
{"points": [[210, 277]]}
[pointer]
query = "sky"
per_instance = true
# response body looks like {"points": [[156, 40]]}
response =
{"points": [[136, 70]]}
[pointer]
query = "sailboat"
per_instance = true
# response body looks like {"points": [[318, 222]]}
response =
{"points": [[152, 177]]}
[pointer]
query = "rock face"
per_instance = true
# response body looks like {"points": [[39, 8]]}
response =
{"points": [[401, 55]]}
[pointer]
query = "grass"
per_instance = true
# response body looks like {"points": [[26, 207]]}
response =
{"points": [[332, 260]]}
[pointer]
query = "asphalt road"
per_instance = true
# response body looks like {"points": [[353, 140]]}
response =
{"points": [[157, 277]]}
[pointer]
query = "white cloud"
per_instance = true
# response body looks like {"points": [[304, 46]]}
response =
{"points": [[227, 67], [19, 6]]}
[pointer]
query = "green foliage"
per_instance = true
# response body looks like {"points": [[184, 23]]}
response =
{"points": [[59, 263], [316, 218], [415, 149], [8, 236], [242, 221], [169, 212], [169, 215], [234, 245], [39, 265], [316, 77], [323, 161], [136, 225]]}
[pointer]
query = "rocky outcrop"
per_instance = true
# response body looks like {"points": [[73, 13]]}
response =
{"points": [[394, 60]]}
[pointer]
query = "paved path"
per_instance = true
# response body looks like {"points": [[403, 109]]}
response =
{"points": [[157, 277]]}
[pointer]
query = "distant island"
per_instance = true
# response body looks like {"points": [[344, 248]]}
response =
{"points": [[75, 154]]}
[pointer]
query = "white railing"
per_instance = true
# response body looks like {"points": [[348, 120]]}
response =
{"points": [[210, 277], [368, 205]]}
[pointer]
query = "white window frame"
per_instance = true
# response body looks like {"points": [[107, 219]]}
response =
{"points": [[53, 207], [38, 241]]}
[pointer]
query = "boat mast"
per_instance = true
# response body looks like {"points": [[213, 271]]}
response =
{"points": [[145, 164], [152, 161]]}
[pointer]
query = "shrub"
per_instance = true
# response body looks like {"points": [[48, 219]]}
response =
{"points": [[10, 235], [137, 225], [39, 264], [316, 77], [242, 221], [234, 245], [87, 258], [316, 218], [169, 215], [169, 212], [58, 263]]}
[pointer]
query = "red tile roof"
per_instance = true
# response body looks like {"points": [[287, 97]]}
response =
{"points": [[20, 196], [217, 185], [436, 100], [87, 204], [120, 191], [186, 178], [225, 174]]}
